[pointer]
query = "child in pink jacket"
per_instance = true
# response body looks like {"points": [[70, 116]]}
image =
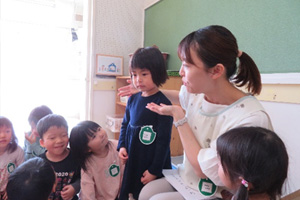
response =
{"points": [[101, 168]]}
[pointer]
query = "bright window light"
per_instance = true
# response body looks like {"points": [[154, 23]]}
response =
{"points": [[40, 61]]}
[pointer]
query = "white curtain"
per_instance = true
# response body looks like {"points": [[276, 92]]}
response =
{"points": [[41, 60]]}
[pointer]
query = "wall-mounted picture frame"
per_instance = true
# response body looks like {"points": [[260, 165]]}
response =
{"points": [[109, 65]]}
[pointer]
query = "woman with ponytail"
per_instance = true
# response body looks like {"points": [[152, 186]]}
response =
{"points": [[213, 68], [253, 163]]}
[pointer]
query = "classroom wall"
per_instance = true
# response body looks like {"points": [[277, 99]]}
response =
{"points": [[285, 119], [118, 30], [267, 30], [280, 97]]}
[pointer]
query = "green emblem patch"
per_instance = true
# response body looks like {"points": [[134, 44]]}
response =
{"points": [[114, 170], [207, 187], [147, 135]]}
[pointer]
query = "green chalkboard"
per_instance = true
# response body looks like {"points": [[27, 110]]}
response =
{"points": [[268, 30]]}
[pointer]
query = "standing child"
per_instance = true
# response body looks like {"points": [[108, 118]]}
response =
{"points": [[144, 143], [33, 179], [253, 163], [32, 147], [53, 131], [11, 154], [102, 171]]}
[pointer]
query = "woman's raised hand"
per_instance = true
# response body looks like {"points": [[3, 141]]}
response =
{"points": [[127, 90], [172, 110], [161, 109]]}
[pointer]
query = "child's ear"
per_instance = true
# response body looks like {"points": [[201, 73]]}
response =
{"points": [[42, 143]]}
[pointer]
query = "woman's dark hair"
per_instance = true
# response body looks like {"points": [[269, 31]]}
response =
{"points": [[217, 45], [152, 59], [12, 146], [256, 154], [79, 139], [38, 113], [33, 179], [48, 121]]}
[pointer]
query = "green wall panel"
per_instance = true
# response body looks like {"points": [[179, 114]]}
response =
{"points": [[268, 30]]}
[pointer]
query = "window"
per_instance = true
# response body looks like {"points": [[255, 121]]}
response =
{"points": [[41, 60]]}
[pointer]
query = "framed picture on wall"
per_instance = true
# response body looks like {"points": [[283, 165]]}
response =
{"points": [[109, 65]]}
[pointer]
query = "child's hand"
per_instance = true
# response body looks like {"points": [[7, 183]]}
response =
{"points": [[4, 197], [147, 177], [123, 155], [31, 138], [67, 192]]}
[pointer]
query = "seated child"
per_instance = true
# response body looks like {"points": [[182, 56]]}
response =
{"points": [[34, 179], [101, 168], [11, 154], [32, 145], [253, 163], [53, 131]]}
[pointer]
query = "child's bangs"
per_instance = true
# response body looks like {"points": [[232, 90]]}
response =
{"points": [[5, 123], [92, 130]]}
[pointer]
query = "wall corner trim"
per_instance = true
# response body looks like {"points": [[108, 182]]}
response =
{"points": [[148, 4], [280, 87], [281, 78]]}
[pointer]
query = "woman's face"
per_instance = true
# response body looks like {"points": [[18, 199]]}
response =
{"points": [[195, 77]]}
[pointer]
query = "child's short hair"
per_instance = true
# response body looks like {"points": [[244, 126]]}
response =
{"points": [[152, 59], [12, 146], [256, 154], [79, 138], [34, 179], [48, 121], [38, 113]]}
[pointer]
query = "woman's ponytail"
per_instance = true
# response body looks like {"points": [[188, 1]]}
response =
{"points": [[248, 75]]}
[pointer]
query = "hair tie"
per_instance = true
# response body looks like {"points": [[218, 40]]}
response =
{"points": [[245, 183], [239, 53]]}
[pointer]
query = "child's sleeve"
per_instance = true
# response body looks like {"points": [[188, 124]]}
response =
{"points": [[76, 183], [76, 186], [125, 122], [162, 150], [87, 186]]}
